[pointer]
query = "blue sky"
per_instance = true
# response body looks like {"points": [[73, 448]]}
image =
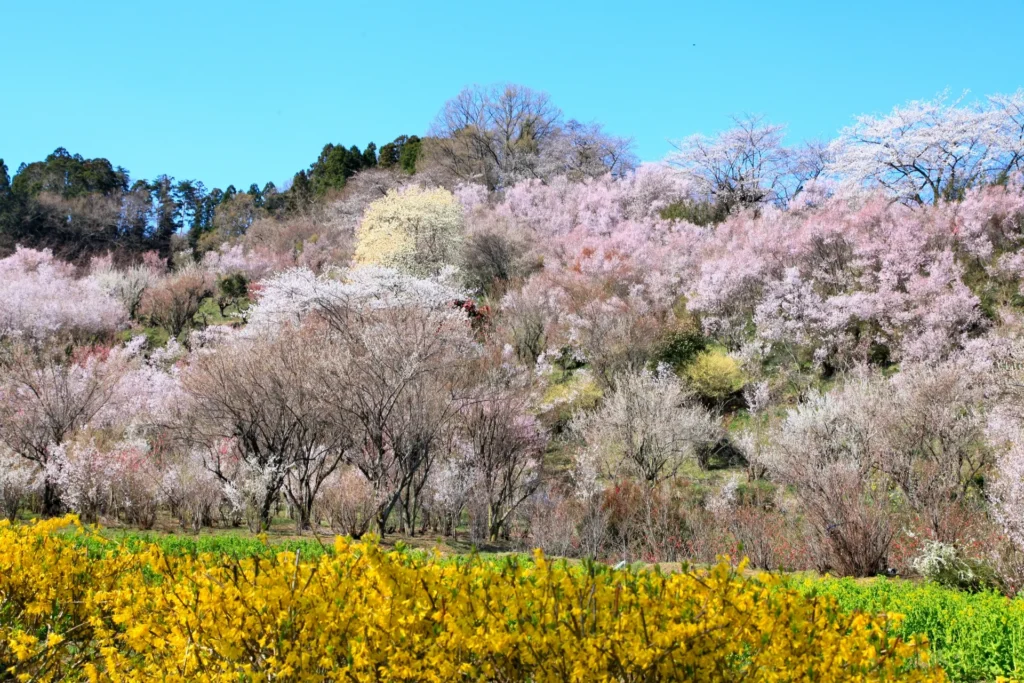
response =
{"points": [[240, 92]]}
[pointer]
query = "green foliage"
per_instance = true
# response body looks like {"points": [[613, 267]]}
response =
{"points": [[156, 337], [974, 636], [568, 393], [402, 152], [679, 347], [698, 213], [756, 493], [337, 164], [234, 545], [410, 154], [70, 176], [232, 291]]}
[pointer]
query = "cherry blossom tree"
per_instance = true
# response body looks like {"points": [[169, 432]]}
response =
{"points": [[745, 166], [19, 479], [119, 480], [845, 282], [41, 298], [929, 151], [45, 400]]}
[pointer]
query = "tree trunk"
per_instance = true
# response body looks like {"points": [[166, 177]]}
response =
{"points": [[51, 499]]}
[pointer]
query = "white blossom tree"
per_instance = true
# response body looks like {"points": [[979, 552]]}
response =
{"points": [[744, 166], [648, 428], [929, 151]]}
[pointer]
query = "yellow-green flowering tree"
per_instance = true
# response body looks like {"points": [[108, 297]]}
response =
{"points": [[417, 231]]}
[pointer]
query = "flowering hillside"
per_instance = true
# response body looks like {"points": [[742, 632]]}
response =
{"points": [[509, 334]]}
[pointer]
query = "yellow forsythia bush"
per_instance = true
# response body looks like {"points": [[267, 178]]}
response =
{"points": [[715, 375], [364, 614]]}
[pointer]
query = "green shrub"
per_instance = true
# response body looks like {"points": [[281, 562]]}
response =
{"points": [[679, 347]]}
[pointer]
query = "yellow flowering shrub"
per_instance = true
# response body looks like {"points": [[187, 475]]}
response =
{"points": [[365, 614], [715, 375]]}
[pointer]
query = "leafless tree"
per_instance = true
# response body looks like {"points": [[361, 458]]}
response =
{"points": [[498, 135], [260, 402], [493, 135], [585, 150], [400, 382], [45, 398], [174, 301], [507, 443]]}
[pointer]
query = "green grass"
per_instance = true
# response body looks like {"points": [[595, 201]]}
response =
{"points": [[235, 545], [974, 636]]}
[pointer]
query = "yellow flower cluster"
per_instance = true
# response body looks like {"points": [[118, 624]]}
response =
{"points": [[365, 614]]}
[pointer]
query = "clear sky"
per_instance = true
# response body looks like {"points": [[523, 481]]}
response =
{"points": [[241, 92]]}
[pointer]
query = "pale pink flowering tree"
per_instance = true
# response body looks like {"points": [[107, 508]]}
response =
{"points": [[254, 263], [347, 502], [744, 166], [40, 297], [118, 480], [1007, 493], [192, 491], [505, 444], [839, 280], [450, 490]]}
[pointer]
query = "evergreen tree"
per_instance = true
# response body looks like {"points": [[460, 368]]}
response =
{"points": [[409, 154], [256, 194], [300, 194], [370, 156], [167, 213]]}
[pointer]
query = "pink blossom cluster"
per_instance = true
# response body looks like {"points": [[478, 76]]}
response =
{"points": [[40, 297], [852, 274], [254, 263]]}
